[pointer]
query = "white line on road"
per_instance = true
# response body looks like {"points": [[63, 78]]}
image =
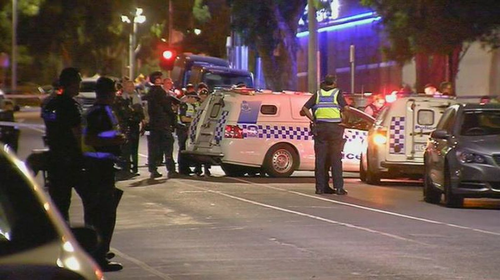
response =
{"points": [[372, 209], [307, 215]]}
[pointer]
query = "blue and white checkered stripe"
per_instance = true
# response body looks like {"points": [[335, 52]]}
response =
{"points": [[194, 124], [397, 135], [219, 129], [276, 132], [354, 135]]}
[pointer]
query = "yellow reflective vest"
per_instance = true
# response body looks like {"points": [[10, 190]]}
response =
{"points": [[327, 108]]}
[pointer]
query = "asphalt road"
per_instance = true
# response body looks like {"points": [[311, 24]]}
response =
{"points": [[266, 228]]}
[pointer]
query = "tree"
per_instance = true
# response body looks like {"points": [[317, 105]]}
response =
{"points": [[270, 27], [433, 28]]}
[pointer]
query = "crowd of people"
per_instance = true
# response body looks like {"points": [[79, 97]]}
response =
{"points": [[90, 151]]}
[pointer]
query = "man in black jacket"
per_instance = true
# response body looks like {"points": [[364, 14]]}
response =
{"points": [[161, 124]]}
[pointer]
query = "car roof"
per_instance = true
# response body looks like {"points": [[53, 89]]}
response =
{"points": [[477, 106]]}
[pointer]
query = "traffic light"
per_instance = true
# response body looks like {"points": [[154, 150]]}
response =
{"points": [[167, 59]]}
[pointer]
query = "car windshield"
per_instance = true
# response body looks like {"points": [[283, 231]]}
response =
{"points": [[87, 86], [227, 79], [24, 224], [481, 122]]}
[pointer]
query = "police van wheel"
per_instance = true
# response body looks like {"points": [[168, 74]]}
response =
{"points": [[281, 161], [233, 170], [371, 177]]}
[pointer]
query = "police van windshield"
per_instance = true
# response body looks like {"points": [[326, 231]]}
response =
{"points": [[226, 80]]}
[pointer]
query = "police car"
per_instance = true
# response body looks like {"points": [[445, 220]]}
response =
{"points": [[246, 131], [396, 143]]}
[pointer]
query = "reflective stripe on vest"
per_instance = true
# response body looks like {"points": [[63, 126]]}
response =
{"points": [[90, 151], [327, 108]]}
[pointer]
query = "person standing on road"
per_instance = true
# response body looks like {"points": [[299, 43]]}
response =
{"points": [[128, 108], [374, 108], [327, 105], [187, 110], [102, 141], [161, 124], [62, 116]]}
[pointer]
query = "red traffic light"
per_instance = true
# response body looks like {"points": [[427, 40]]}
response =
{"points": [[168, 54], [167, 59]]}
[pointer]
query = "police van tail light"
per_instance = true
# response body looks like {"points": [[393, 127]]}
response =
{"points": [[380, 136], [233, 131]]}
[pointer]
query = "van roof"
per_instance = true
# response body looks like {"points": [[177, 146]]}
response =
{"points": [[252, 91], [194, 59], [222, 69]]}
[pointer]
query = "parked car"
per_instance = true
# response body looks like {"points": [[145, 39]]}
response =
{"points": [[35, 242], [462, 157], [87, 94]]}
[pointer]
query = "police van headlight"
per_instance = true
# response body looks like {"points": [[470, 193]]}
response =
{"points": [[380, 137]]}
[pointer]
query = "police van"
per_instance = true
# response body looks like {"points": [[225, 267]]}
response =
{"points": [[396, 143], [247, 131]]}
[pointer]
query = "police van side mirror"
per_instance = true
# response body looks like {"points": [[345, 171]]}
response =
{"points": [[440, 134]]}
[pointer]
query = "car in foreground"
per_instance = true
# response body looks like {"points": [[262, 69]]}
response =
{"points": [[462, 156], [35, 242]]}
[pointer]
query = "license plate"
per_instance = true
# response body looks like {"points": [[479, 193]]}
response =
{"points": [[419, 147]]}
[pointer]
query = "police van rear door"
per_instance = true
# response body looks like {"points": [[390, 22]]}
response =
{"points": [[207, 130], [422, 117]]}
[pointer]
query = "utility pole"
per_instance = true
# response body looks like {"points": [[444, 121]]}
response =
{"points": [[14, 46], [312, 61]]}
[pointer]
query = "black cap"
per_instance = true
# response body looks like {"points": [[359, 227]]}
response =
{"points": [[104, 85]]}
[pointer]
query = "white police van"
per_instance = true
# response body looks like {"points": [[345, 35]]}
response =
{"points": [[397, 141], [247, 131]]}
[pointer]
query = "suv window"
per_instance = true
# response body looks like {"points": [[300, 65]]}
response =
{"points": [[480, 123], [447, 120]]}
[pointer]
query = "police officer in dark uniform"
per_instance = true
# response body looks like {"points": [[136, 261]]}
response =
{"points": [[187, 110], [161, 124], [62, 117], [102, 139], [327, 105], [128, 109]]}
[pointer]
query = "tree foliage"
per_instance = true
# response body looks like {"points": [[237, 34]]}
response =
{"points": [[270, 27], [436, 26]]}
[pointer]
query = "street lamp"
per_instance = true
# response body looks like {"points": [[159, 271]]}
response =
{"points": [[136, 18]]}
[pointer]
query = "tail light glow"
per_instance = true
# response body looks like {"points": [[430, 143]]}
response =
{"points": [[233, 131]]}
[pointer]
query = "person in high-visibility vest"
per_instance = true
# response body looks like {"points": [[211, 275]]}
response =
{"points": [[327, 105]]}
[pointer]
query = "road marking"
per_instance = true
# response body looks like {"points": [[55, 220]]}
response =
{"points": [[307, 215], [142, 264], [372, 209]]}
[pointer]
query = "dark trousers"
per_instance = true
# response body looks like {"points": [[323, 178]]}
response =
{"points": [[328, 146], [160, 143], [182, 160], [130, 152], [101, 202], [64, 173]]}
